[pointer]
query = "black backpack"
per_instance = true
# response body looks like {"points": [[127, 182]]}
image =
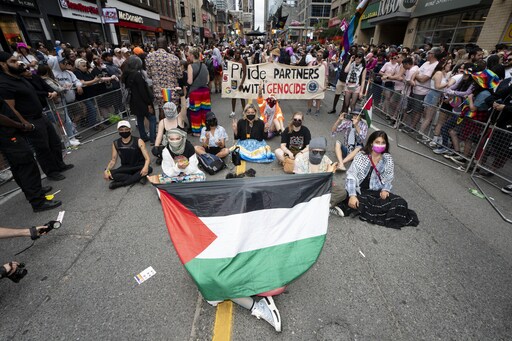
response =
{"points": [[210, 163]]}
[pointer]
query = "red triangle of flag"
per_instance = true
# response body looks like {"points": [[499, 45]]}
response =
{"points": [[189, 234]]}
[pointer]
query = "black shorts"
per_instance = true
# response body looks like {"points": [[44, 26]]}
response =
{"points": [[213, 150]]}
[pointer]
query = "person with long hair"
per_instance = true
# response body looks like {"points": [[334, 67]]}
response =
{"points": [[356, 78], [388, 73], [199, 92], [369, 183], [141, 99], [294, 139]]}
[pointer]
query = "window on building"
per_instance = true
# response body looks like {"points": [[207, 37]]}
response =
{"points": [[182, 8], [320, 10], [193, 15], [334, 12], [455, 30]]}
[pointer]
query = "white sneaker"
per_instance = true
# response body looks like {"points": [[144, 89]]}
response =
{"points": [[336, 211], [74, 142], [6, 175], [233, 114], [267, 310]]}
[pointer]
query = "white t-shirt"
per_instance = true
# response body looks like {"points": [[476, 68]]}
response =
{"points": [[220, 133], [427, 69]]}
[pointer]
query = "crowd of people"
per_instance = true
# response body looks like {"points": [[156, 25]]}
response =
{"points": [[168, 89]]}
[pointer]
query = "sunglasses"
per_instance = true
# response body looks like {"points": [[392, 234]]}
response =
{"points": [[318, 152], [297, 120]]}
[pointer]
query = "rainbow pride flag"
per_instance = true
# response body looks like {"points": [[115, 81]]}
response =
{"points": [[486, 79], [166, 94], [348, 36]]}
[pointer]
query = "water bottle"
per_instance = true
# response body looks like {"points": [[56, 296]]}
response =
{"points": [[476, 193]]}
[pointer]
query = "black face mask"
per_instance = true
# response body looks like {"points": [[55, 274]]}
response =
{"points": [[125, 134], [297, 123], [251, 117], [16, 70]]}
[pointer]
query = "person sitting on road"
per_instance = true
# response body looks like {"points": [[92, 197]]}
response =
{"points": [[295, 139], [271, 114], [249, 131], [172, 119], [250, 126], [180, 163], [315, 161], [134, 159], [213, 138], [369, 182], [354, 134]]}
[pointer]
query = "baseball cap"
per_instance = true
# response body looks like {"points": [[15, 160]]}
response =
{"points": [[117, 50], [137, 50], [124, 50], [124, 123], [21, 45], [210, 115]]}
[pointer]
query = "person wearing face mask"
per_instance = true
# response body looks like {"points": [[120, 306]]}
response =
{"points": [[369, 182], [294, 140], [250, 133], [250, 126], [213, 138], [314, 160], [271, 114], [134, 159], [172, 119], [180, 163]]}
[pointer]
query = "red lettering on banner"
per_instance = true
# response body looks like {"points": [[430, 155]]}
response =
{"points": [[287, 88], [82, 8]]}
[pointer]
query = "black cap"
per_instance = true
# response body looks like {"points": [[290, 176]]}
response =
{"points": [[210, 115], [105, 55]]}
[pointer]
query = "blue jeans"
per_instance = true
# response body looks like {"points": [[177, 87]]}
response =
{"points": [[142, 129], [91, 112]]}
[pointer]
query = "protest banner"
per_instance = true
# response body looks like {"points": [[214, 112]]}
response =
{"points": [[284, 81]]}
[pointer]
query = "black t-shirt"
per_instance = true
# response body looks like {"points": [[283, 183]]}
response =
{"points": [[23, 93], [90, 90], [6, 110], [245, 131], [296, 140]]}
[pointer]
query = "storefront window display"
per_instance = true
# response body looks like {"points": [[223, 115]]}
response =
{"points": [[10, 29], [455, 30]]}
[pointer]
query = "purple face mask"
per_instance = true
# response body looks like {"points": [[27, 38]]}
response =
{"points": [[379, 148]]}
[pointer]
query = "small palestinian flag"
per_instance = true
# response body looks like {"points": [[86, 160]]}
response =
{"points": [[242, 237], [367, 110]]}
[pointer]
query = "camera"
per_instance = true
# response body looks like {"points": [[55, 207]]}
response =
{"points": [[19, 273], [52, 224], [349, 117]]}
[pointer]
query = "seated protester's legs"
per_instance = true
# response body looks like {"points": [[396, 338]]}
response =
{"points": [[279, 155], [220, 152]]}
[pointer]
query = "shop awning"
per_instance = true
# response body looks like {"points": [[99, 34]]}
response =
{"points": [[426, 7], [136, 26], [397, 16], [334, 22]]}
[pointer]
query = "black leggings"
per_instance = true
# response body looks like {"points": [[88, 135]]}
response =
{"points": [[128, 175]]}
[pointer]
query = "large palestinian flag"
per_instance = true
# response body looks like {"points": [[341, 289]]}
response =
{"points": [[241, 237]]}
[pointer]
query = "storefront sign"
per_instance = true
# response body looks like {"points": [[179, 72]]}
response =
{"points": [[391, 6], [334, 22], [21, 3], [130, 17], [79, 10], [285, 82], [110, 15], [507, 36], [371, 12], [426, 7]]}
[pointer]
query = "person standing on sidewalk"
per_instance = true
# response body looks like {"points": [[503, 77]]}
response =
{"points": [[21, 97], [16, 150]]}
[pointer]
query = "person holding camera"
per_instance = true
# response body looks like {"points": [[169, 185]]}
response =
{"points": [[13, 270], [354, 134]]}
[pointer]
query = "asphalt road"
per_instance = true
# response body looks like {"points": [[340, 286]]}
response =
{"points": [[448, 278]]}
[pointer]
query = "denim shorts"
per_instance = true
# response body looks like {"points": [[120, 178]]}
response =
{"points": [[432, 98]]}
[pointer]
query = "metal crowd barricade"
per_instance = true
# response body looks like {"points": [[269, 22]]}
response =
{"points": [[87, 117], [487, 148], [493, 169]]}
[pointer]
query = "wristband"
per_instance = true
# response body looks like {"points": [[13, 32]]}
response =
{"points": [[33, 233]]}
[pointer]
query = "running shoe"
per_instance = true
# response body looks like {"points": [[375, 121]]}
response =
{"points": [[336, 211], [441, 150], [233, 114], [459, 159], [507, 189], [267, 310]]}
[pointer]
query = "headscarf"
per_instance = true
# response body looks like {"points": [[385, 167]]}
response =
{"points": [[317, 143], [177, 147], [170, 110]]}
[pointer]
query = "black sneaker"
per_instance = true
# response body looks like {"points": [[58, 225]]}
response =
{"points": [[46, 205], [332, 112], [115, 184], [55, 176], [143, 180], [67, 167]]}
